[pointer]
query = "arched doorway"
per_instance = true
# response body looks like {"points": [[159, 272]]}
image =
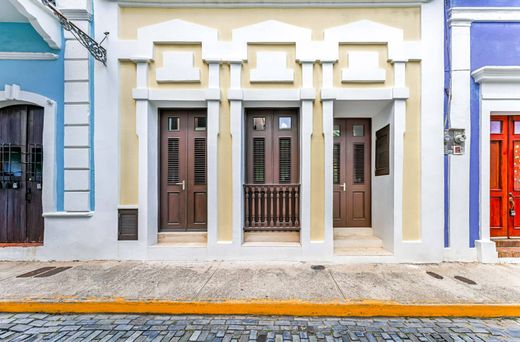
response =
{"points": [[21, 174]]}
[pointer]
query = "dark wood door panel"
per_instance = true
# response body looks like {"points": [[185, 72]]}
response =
{"points": [[183, 170], [21, 174], [352, 173]]}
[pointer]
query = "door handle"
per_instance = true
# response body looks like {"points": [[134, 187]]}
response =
{"points": [[512, 211], [183, 184], [344, 186]]}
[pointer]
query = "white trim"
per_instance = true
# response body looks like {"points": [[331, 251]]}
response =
{"points": [[42, 20], [13, 95], [501, 74], [68, 214], [28, 56], [466, 15]]}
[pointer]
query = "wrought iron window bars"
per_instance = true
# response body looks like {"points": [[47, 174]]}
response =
{"points": [[94, 48]]}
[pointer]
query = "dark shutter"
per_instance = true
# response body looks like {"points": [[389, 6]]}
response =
{"points": [[285, 160], [359, 164], [383, 151], [173, 161], [200, 161], [127, 224], [336, 160], [259, 160]]}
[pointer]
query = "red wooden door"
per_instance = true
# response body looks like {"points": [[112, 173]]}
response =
{"points": [[504, 176], [351, 173], [183, 188], [21, 171]]}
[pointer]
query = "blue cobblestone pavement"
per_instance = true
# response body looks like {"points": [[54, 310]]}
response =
{"points": [[44, 327]]}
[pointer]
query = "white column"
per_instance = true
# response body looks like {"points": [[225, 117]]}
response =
{"points": [[308, 94], [399, 127], [460, 117], [328, 125], [213, 102], [237, 136], [77, 139], [146, 231]]}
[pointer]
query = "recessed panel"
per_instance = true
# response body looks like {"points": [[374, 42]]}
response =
{"points": [[495, 160], [174, 208], [496, 212], [199, 207], [358, 205]]}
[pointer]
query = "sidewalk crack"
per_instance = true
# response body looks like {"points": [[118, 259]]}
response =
{"points": [[337, 285], [207, 281]]}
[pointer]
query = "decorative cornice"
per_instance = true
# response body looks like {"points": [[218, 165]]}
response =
{"points": [[464, 16], [497, 74], [270, 3], [28, 56]]}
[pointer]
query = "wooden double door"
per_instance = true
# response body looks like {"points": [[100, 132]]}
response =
{"points": [[183, 170], [505, 176], [351, 157], [21, 171]]}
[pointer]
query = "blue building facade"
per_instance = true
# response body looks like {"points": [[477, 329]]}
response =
{"points": [[482, 55]]}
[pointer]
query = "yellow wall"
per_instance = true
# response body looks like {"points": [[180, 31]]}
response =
{"points": [[129, 144], [224, 20]]}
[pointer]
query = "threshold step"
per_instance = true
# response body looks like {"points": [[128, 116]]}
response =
{"points": [[358, 241], [182, 237], [507, 242], [362, 252], [341, 232], [508, 252]]}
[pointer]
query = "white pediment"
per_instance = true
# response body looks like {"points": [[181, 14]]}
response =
{"points": [[364, 31], [176, 31], [271, 31]]}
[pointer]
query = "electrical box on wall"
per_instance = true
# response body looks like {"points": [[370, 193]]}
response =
{"points": [[454, 141]]}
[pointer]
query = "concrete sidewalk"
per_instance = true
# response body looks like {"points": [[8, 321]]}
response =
{"points": [[263, 288]]}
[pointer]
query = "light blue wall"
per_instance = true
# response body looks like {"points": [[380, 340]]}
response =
{"points": [[45, 77]]}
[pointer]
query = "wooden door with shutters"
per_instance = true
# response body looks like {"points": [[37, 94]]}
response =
{"points": [[183, 170], [272, 186], [351, 157], [504, 176], [21, 174]]}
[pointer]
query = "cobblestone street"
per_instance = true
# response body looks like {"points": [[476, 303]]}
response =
{"points": [[37, 327]]}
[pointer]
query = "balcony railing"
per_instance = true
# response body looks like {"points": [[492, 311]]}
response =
{"points": [[272, 207]]}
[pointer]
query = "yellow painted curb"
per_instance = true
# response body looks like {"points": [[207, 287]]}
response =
{"points": [[290, 308]]}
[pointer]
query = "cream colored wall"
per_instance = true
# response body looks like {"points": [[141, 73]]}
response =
{"points": [[412, 156], [225, 20], [129, 144]]}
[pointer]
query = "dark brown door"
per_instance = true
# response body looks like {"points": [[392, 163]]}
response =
{"points": [[505, 176], [21, 170], [351, 173], [183, 192]]}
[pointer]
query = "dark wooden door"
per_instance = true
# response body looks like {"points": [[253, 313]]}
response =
{"points": [[21, 171], [183, 192], [351, 173], [505, 176], [272, 146]]}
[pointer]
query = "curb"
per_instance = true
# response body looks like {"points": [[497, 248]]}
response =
{"points": [[270, 308]]}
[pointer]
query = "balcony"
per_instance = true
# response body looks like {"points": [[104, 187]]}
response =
{"points": [[272, 207]]}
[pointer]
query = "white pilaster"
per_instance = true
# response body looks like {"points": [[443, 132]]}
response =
{"points": [[460, 117], [77, 144], [236, 114], [399, 128]]}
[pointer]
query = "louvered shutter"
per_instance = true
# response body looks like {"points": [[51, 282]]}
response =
{"points": [[200, 161], [359, 164], [259, 160], [336, 166], [173, 161], [284, 160]]}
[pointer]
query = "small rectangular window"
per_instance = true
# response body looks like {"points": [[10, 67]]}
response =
{"points": [[517, 127], [201, 123], [173, 123], [336, 132], [284, 122], [259, 124], [358, 131], [496, 127], [383, 151]]}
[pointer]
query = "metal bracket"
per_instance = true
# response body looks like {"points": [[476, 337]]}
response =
{"points": [[94, 48]]}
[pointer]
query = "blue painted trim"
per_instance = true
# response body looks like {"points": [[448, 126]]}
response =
{"points": [[474, 174], [91, 122]]}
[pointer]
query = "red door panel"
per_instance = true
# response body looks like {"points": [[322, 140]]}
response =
{"points": [[514, 175], [498, 176]]}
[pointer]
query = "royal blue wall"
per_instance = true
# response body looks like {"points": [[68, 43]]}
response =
{"points": [[485, 3], [44, 77]]}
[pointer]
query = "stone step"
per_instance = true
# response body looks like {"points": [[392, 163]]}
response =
{"points": [[341, 232], [183, 237], [507, 242], [361, 252], [358, 241], [508, 252]]}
